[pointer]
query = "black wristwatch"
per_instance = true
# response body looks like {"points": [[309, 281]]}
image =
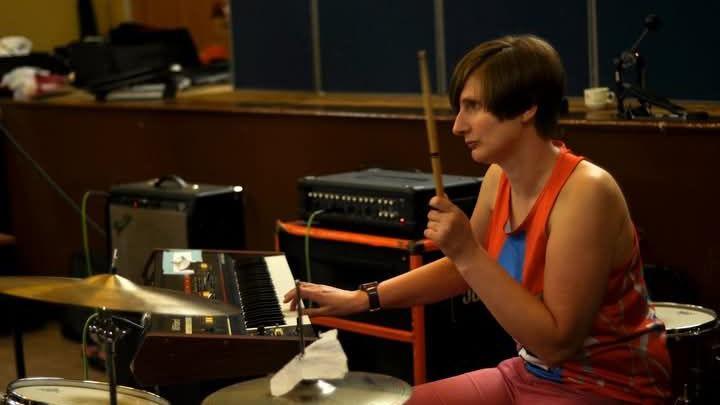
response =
{"points": [[373, 297]]}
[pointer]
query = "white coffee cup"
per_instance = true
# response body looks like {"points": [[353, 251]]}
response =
{"points": [[597, 98], [15, 46]]}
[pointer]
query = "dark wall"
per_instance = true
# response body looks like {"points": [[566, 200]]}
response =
{"points": [[370, 45]]}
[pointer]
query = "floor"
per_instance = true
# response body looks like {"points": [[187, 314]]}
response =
{"points": [[47, 354]]}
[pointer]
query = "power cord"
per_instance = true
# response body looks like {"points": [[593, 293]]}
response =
{"points": [[308, 272], [49, 179], [308, 227]]}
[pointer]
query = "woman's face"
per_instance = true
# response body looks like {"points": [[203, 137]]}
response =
{"points": [[489, 139]]}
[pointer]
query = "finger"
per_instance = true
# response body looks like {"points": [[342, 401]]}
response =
{"points": [[430, 233], [289, 296], [440, 203], [292, 293], [434, 202], [437, 224]]}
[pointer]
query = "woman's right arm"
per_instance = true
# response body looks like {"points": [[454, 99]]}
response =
{"points": [[440, 280]]}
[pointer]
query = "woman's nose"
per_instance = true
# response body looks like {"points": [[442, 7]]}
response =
{"points": [[460, 127]]}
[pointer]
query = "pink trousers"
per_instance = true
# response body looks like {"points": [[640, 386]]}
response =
{"points": [[508, 383]]}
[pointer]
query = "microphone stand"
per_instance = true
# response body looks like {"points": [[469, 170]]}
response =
{"points": [[627, 60], [623, 90]]}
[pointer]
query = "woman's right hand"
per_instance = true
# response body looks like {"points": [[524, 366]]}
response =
{"points": [[329, 301]]}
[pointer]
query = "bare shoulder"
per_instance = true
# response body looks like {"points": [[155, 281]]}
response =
{"points": [[591, 179], [489, 186], [593, 190], [485, 201]]}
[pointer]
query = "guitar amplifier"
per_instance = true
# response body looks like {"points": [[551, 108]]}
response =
{"points": [[170, 213], [378, 201]]}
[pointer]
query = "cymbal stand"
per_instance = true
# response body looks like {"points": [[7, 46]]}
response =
{"points": [[301, 332], [308, 389], [104, 331], [18, 345]]}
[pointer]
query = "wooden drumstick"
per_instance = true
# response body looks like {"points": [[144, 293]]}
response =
{"points": [[430, 124]]}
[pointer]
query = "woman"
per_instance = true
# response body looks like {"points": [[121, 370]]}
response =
{"points": [[550, 249]]}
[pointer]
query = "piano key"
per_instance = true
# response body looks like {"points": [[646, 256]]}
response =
{"points": [[283, 282]]}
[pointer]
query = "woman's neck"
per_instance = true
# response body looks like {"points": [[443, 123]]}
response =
{"points": [[531, 164]]}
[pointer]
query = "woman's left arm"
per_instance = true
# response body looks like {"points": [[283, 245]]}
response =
{"points": [[584, 226]]}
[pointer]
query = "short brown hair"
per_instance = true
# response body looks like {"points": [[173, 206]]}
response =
{"points": [[516, 73]]}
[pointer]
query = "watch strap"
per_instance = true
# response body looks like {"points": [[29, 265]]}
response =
{"points": [[371, 289]]}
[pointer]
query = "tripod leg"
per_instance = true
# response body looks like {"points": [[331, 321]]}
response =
{"points": [[18, 346]]}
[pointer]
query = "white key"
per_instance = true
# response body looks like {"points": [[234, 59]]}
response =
{"points": [[283, 282]]}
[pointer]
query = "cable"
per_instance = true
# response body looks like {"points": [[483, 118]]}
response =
{"points": [[128, 322], [308, 273], [83, 224], [83, 347], [49, 179]]}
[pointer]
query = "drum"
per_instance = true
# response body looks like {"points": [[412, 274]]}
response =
{"points": [[685, 320], [59, 391], [689, 341]]}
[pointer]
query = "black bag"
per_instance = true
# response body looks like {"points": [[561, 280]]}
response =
{"points": [[131, 48]]}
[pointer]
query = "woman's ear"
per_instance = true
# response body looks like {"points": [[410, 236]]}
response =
{"points": [[529, 114]]}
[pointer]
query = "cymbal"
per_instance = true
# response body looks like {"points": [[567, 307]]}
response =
{"points": [[112, 292], [355, 388]]}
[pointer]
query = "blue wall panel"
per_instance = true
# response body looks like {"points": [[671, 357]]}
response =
{"points": [[371, 45], [271, 44], [563, 23]]}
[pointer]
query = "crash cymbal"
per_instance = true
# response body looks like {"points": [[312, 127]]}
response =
{"points": [[112, 292], [355, 388]]}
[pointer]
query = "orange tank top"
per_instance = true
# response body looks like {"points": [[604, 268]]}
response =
{"points": [[625, 356]]}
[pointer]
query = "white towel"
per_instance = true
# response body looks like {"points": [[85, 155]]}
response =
{"points": [[323, 359]]}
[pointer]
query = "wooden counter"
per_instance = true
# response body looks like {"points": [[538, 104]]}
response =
{"points": [[265, 141]]}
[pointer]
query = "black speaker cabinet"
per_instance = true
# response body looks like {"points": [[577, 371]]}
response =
{"points": [[460, 333], [170, 213]]}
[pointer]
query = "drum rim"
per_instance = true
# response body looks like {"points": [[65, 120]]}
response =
{"points": [[21, 383], [691, 330], [686, 306]]}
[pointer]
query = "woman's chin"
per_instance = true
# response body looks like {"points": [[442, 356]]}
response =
{"points": [[478, 155]]}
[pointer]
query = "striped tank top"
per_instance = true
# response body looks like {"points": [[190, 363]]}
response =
{"points": [[625, 356]]}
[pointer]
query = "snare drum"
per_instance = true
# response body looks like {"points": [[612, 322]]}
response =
{"points": [[689, 342], [59, 391], [685, 320]]}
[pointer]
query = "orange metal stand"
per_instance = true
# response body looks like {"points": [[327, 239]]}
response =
{"points": [[415, 336]]}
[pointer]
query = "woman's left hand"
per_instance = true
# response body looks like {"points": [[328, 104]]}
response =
{"points": [[449, 228]]}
